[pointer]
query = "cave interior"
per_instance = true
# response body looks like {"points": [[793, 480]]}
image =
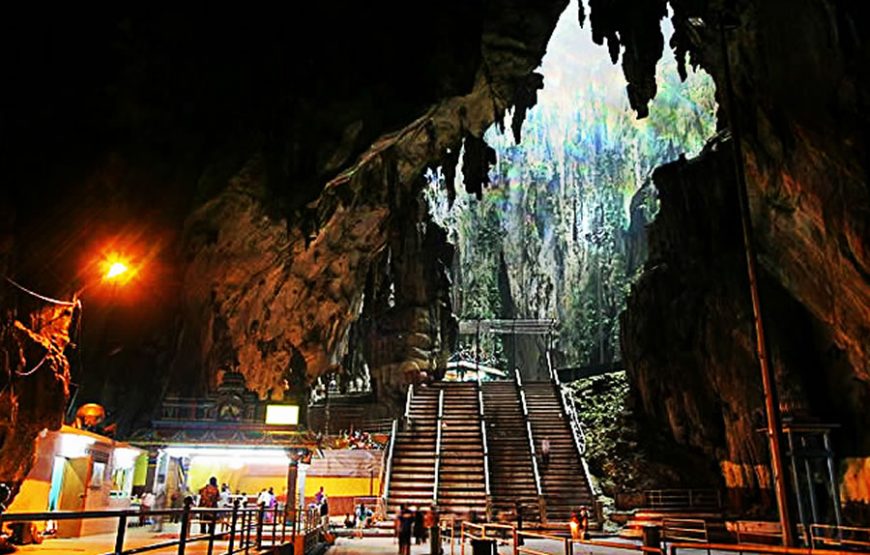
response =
{"points": [[270, 177]]}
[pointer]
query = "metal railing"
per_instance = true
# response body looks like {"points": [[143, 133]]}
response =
{"points": [[388, 468], [408, 398], [535, 472], [499, 533], [242, 528], [438, 423], [568, 406], [674, 548], [824, 535], [508, 534], [818, 536], [685, 530], [683, 499], [481, 412]]}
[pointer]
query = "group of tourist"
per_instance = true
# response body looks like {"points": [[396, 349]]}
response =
{"points": [[361, 519], [321, 503], [413, 523], [357, 439]]}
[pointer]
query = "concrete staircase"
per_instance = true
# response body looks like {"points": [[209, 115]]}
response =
{"points": [[461, 481], [461, 478], [512, 475], [564, 482], [412, 478]]}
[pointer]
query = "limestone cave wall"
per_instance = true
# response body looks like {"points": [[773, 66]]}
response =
{"points": [[800, 82]]}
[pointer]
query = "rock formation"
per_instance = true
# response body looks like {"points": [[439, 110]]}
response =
{"points": [[687, 335]]}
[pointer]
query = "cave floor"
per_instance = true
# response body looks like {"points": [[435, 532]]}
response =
{"points": [[140, 537], [105, 543], [388, 546]]}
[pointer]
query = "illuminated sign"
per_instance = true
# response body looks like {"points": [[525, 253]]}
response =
{"points": [[283, 415]]}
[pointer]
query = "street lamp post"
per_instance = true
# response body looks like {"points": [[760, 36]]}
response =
{"points": [[768, 380]]}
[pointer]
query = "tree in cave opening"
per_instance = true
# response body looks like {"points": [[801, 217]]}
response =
{"points": [[560, 233]]}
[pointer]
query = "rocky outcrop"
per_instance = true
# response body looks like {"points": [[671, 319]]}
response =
{"points": [[800, 92], [275, 298], [688, 341], [407, 327], [34, 385]]}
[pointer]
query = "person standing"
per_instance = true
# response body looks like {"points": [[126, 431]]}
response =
{"points": [[406, 525], [209, 495], [324, 513], [431, 522], [271, 506], [545, 453], [159, 505], [518, 510], [574, 524], [147, 507], [419, 531], [584, 523]]}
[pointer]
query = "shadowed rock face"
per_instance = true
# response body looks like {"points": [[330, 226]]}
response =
{"points": [[800, 81], [34, 383]]}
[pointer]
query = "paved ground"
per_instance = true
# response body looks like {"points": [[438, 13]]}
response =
{"points": [[388, 546], [137, 537], [105, 543]]}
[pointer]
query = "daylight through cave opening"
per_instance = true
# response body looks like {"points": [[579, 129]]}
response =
{"points": [[560, 233]]}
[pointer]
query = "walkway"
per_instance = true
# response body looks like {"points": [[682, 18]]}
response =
{"points": [[105, 543], [387, 546]]}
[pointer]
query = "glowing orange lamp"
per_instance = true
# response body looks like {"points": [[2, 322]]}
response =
{"points": [[116, 269]]}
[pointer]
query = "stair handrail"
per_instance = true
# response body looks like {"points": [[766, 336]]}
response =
{"points": [[438, 446], [388, 468], [485, 457], [408, 397], [480, 412], [568, 406], [577, 432], [529, 433]]}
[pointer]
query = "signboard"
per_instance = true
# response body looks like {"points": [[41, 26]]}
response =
{"points": [[282, 415]]}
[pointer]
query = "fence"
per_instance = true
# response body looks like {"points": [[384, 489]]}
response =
{"points": [[818, 536], [508, 534], [670, 499], [242, 528], [849, 539]]}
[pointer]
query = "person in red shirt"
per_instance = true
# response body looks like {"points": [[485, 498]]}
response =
{"points": [[209, 496]]}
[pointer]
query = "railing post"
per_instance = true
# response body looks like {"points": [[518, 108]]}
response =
{"points": [[233, 520], [185, 525], [438, 423], [245, 537], [119, 537], [212, 530], [274, 525], [261, 511]]}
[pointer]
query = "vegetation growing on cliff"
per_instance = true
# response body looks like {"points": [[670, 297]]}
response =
{"points": [[552, 237]]}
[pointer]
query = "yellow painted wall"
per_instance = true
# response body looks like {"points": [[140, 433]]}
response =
{"points": [[33, 496], [140, 471], [240, 479], [341, 487], [252, 482]]}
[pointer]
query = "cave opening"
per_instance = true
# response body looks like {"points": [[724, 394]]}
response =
{"points": [[559, 235]]}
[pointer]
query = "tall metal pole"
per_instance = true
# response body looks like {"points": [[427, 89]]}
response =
{"points": [[771, 403]]}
